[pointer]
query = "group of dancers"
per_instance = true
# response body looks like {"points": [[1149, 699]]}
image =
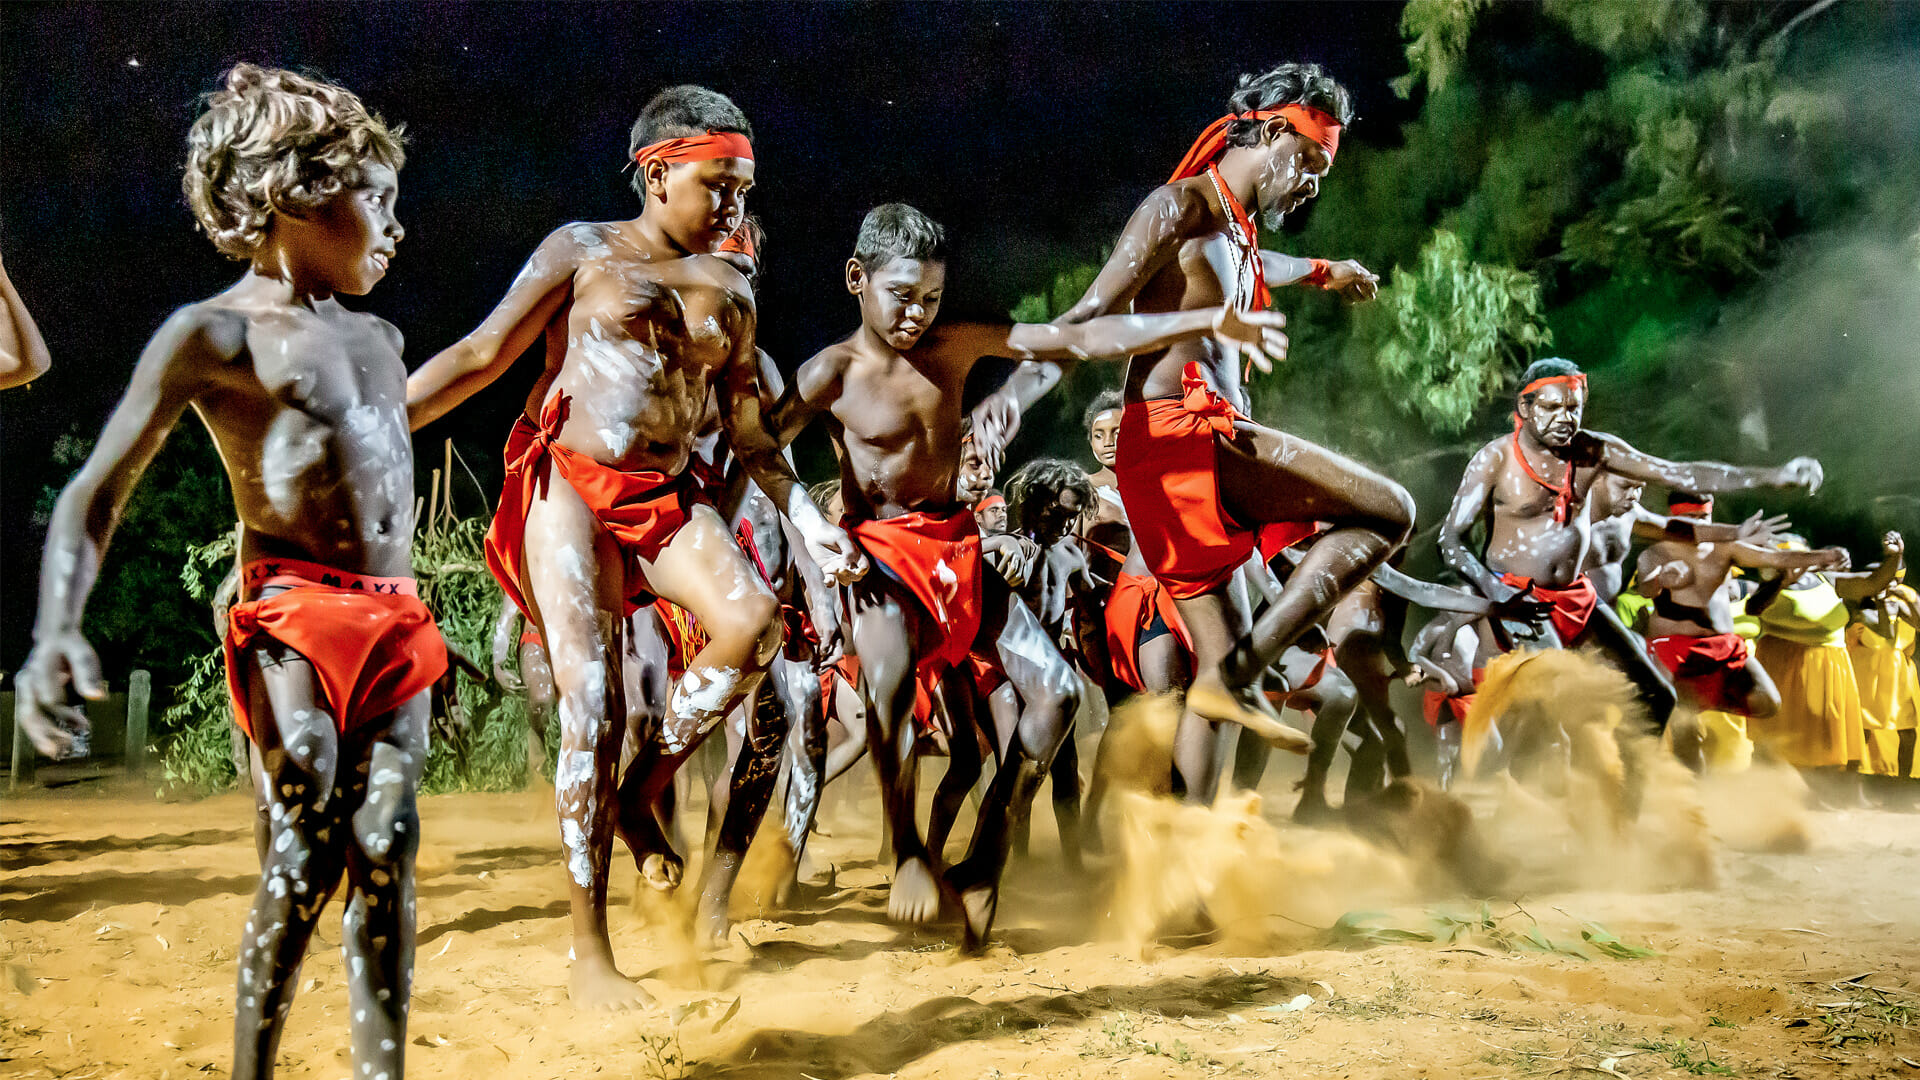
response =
{"points": [[667, 574]]}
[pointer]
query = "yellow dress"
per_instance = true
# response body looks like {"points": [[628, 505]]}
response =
{"points": [[1803, 645], [1889, 690], [1724, 742]]}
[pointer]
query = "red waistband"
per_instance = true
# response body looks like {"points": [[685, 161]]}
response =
{"points": [[261, 574]]}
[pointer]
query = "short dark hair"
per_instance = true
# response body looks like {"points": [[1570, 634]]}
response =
{"points": [[1287, 84], [1105, 401], [679, 112], [1549, 368], [1046, 478], [897, 231]]}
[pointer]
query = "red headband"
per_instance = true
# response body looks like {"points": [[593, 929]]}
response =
{"points": [[990, 502], [741, 242], [1319, 126], [714, 144], [1576, 381], [1689, 509]]}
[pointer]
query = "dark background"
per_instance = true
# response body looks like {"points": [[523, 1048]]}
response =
{"points": [[1029, 130]]}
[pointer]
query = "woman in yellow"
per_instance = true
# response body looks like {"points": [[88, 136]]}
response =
{"points": [[1880, 642], [1803, 645]]}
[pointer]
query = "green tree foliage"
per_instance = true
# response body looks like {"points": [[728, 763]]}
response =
{"points": [[488, 754], [1450, 333]]}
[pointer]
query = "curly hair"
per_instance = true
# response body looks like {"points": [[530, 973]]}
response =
{"points": [[1045, 479], [271, 141], [1105, 401], [1287, 84]]}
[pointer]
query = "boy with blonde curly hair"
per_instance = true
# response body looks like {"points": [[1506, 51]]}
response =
{"points": [[329, 651]]}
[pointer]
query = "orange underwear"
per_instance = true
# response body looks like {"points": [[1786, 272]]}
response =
{"points": [[1572, 604], [372, 643], [643, 510], [1169, 477]]}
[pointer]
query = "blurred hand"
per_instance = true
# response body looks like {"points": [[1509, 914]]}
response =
{"points": [[40, 691], [1257, 334], [1352, 281]]}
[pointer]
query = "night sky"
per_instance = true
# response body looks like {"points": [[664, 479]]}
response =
{"points": [[1029, 130]]}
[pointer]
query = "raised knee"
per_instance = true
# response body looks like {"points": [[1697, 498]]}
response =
{"points": [[1400, 514]]}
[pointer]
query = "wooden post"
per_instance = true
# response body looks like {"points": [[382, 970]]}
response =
{"points": [[22, 772], [139, 696]]}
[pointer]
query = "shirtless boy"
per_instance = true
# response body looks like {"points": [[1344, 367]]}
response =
{"points": [[1690, 629], [1204, 486], [329, 651], [1532, 488], [643, 324], [890, 393]]}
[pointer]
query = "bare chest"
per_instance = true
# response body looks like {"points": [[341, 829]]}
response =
{"points": [[638, 316], [894, 404]]}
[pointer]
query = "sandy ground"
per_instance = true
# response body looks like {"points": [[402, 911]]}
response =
{"points": [[119, 914]]}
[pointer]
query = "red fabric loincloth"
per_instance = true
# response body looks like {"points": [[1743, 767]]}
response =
{"points": [[937, 557], [1169, 481], [1704, 665], [372, 643], [643, 510], [1433, 703], [1131, 607], [1572, 604], [1285, 697]]}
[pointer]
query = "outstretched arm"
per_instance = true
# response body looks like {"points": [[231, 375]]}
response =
{"points": [[1654, 528], [1044, 347], [23, 353], [1346, 277], [470, 364], [1875, 581], [1705, 477], [175, 366], [1427, 594]]}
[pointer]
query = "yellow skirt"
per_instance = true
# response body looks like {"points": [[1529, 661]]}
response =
{"points": [[1820, 722], [1889, 693], [1725, 744]]}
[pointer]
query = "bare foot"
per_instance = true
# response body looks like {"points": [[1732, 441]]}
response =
{"points": [[711, 921], [1210, 698], [661, 871], [914, 896], [1312, 809], [979, 901], [595, 985]]}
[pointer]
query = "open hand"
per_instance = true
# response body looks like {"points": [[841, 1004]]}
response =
{"points": [[1258, 334], [40, 691], [996, 421], [1761, 531], [1352, 281]]}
